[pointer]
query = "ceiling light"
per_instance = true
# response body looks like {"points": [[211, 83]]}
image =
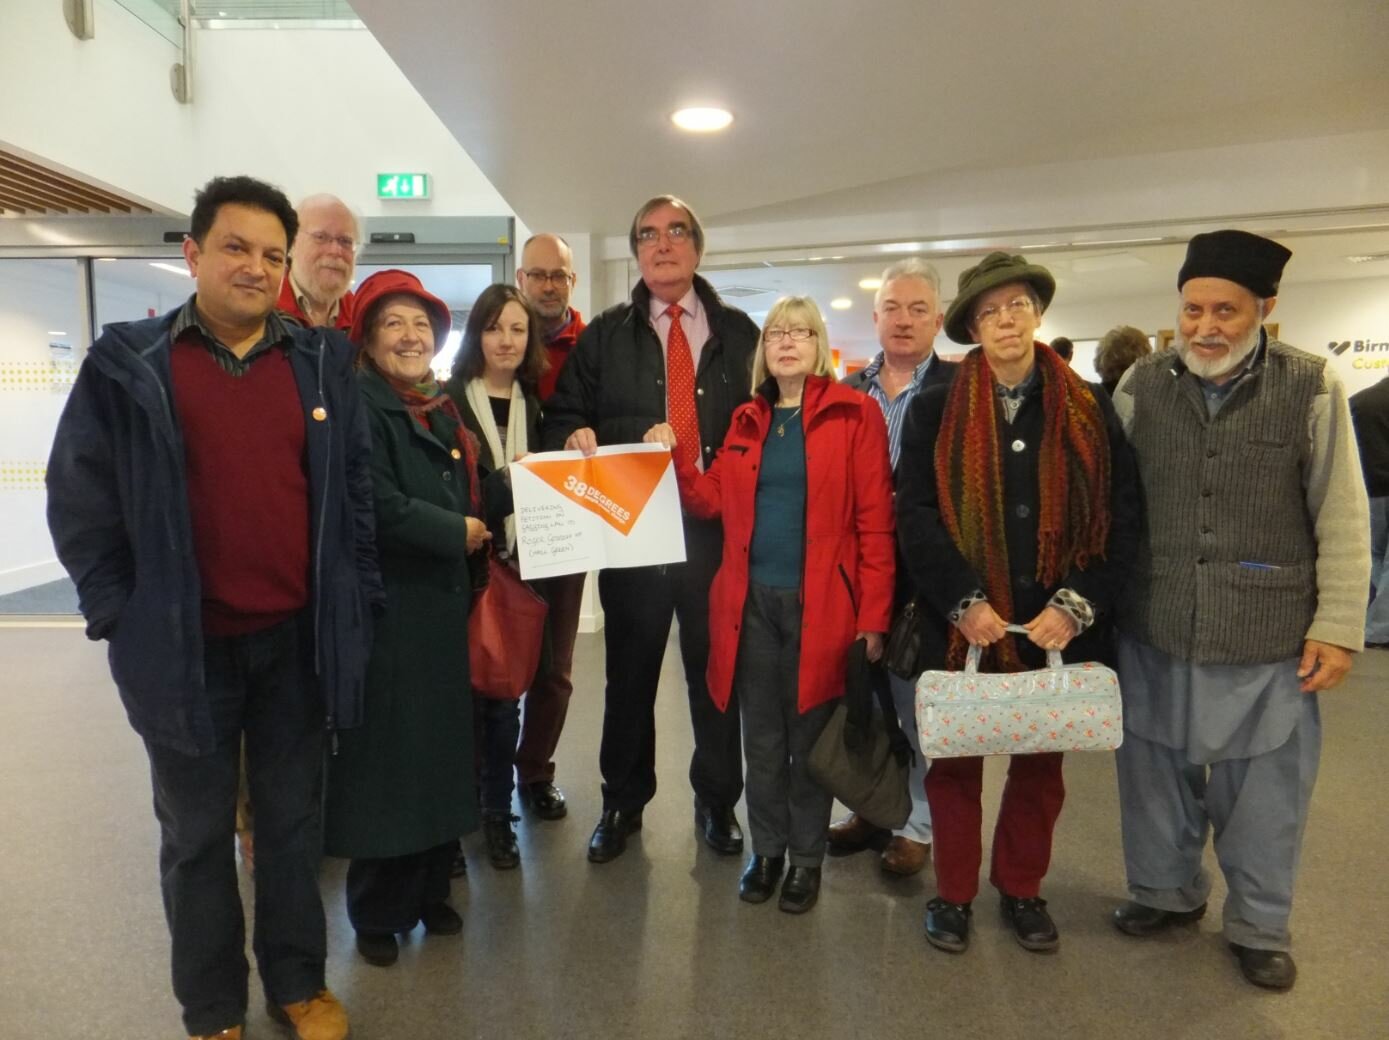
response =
{"points": [[702, 120], [52, 333], [903, 247], [172, 269], [841, 303], [871, 284], [1368, 258], [106, 259]]}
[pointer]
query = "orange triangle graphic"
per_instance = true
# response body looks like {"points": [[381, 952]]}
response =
{"points": [[615, 487]]}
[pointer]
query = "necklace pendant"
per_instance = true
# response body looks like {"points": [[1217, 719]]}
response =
{"points": [[781, 430]]}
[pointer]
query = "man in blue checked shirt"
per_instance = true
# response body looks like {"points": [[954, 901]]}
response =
{"points": [[907, 315]]}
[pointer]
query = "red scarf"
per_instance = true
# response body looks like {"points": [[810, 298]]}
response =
{"points": [[422, 398], [1073, 476]]}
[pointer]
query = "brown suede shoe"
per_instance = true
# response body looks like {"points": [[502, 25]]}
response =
{"points": [[854, 834], [319, 1018], [905, 857]]}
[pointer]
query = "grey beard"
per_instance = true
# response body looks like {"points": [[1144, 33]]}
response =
{"points": [[1214, 368]]}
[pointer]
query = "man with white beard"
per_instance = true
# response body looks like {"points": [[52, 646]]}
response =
{"points": [[1247, 599], [322, 260]]}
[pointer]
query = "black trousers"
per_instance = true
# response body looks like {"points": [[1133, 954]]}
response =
{"points": [[638, 606], [262, 685], [389, 895]]}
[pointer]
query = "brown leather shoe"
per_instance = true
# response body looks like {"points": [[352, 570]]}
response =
{"points": [[234, 1033], [853, 834], [905, 857], [320, 1017]]}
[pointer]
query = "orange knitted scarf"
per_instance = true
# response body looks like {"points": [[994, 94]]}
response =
{"points": [[1073, 472]]}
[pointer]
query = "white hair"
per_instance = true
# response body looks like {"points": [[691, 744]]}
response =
{"points": [[911, 267]]}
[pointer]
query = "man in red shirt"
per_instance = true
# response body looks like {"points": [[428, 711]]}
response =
{"points": [[546, 278], [322, 260]]}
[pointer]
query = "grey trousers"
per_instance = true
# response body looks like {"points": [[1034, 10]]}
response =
{"points": [[788, 812], [918, 826], [1258, 810]]}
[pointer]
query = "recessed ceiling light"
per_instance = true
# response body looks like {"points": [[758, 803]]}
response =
{"points": [[702, 120], [903, 247], [871, 284], [106, 259], [172, 269], [1368, 258], [52, 333], [841, 303]]}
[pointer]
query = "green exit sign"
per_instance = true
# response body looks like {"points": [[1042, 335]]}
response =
{"points": [[402, 185]]}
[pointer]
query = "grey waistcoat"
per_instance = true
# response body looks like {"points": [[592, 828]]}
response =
{"points": [[1220, 494]]}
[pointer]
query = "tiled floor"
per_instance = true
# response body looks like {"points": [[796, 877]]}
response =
{"points": [[656, 944]]}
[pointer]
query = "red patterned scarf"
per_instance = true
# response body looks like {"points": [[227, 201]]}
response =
{"points": [[1073, 474], [422, 398]]}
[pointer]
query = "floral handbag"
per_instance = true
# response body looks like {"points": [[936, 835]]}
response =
{"points": [[1062, 707]]}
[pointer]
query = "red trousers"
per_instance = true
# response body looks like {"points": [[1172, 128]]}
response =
{"points": [[1032, 800]]}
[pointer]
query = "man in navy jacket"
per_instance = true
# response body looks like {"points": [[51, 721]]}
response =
{"points": [[209, 493]]}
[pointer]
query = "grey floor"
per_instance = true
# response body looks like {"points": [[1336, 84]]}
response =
{"points": [[656, 944]]}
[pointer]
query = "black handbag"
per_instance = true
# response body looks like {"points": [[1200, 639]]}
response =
{"points": [[862, 757], [902, 651]]}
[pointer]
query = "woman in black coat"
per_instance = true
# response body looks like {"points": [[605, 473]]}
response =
{"points": [[1016, 503], [400, 789]]}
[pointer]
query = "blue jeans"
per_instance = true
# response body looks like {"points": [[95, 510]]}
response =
{"points": [[498, 724], [261, 685]]}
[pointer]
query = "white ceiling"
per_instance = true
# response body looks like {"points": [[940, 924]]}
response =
{"points": [[565, 107], [1082, 276]]}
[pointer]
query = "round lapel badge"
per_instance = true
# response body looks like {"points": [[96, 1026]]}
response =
{"points": [[320, 413], [456, 453]]}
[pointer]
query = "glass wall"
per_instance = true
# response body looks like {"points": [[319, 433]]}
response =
{"points": [[42, 330]]}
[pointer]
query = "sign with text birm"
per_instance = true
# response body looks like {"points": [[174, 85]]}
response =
{"points": [[618, 508], [402, 185]]}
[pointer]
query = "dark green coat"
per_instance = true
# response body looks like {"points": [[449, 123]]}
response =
{"points": [[404, 781]]}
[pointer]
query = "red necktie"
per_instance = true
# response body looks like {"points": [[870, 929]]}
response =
{"points": [[680, 389]]}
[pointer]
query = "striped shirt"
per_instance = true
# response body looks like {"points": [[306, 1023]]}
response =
{"points": [[275, 334], [894, 409]]}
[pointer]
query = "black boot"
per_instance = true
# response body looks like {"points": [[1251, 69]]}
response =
{"points": [[501, 840]]}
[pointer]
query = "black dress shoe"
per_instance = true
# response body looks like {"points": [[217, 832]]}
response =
{"points": [[545, 800], [441, 919], [502, 850], [1142, 921], [377, 948], [947, 925], [759, 879], [1272, 969], [720, 828], [1032, 925], [610, 836], [800, 890]]}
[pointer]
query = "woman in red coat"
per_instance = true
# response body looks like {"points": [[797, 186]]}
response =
{"points": [[804, 489]]}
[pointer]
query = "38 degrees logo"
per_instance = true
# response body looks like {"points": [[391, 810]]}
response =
{"points": [[615, 487]]}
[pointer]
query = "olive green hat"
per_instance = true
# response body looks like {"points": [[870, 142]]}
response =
{"points": [[996, 269]]}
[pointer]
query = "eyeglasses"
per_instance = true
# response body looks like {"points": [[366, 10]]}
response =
{"points": [[1016, 308], [674, 234], [799, 334], [548, 277], [323, 240]]}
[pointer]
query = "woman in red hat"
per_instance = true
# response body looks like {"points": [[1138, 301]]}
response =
{"points": [[401, 788]]}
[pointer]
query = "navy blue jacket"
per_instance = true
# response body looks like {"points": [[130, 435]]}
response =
{"points": [[118, 511]]}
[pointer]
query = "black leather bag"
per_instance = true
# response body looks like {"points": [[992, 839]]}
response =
{"points": [[862, 757], [902, 652]]}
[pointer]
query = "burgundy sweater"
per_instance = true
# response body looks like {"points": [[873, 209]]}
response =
{"points": [[248, 492]]}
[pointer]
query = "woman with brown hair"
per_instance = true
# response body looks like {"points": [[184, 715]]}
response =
{"points": [[493, 383], [1016, 502]]}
